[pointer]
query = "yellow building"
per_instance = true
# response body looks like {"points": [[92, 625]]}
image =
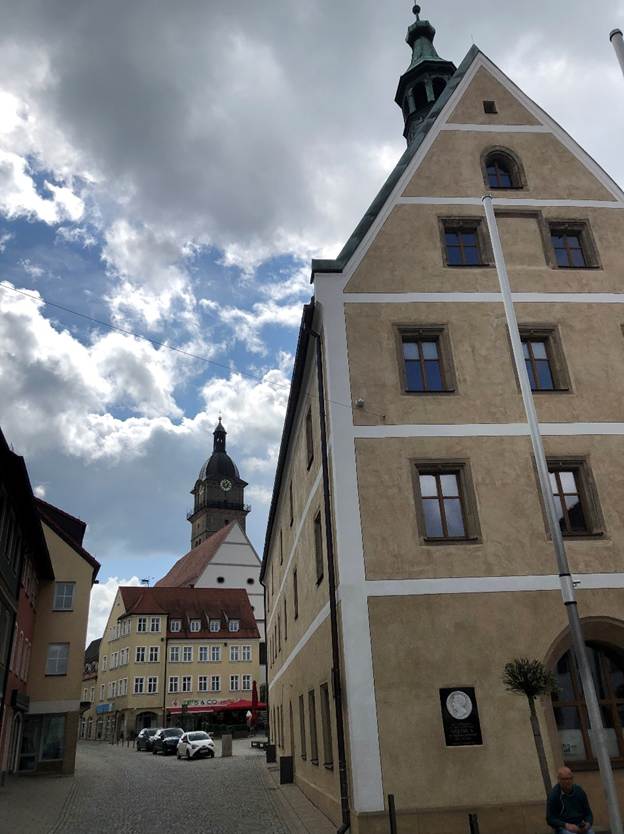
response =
{"points": [[176, 657], [404, 573]]}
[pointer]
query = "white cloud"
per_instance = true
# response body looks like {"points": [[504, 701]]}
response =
{"points": [[247, 324], [31, 269], [5, 237], [102, 598], [40, 491], [77, 234]]}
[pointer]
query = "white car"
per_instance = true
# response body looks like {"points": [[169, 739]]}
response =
{"points": [[195, 744]]}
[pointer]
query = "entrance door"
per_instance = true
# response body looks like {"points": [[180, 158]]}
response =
{"points": [[30, 744]]}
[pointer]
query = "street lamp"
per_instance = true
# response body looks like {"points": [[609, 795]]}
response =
{"points": [[568, 593], [618, 44]]}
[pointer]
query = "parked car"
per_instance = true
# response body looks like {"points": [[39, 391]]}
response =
{"points": [[149, 741], [166, 741], [142, 740], [195, 744]]}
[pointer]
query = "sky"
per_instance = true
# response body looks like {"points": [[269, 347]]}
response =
{"points": [[170, 169]]}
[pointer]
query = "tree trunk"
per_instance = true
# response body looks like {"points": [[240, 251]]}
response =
{"points": [[539, 746]]}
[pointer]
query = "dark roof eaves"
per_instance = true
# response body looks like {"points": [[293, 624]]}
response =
{"points": [[62, 534], [305, 330], [360, 231]]}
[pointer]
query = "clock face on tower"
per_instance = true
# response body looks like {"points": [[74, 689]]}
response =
{"points": [[226, 485]]}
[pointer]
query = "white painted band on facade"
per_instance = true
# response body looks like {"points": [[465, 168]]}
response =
{"points": [[483, 297], [567, 588], [486, 430]]}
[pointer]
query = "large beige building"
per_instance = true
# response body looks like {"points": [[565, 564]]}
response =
{"points": [[404, 574], [175, 657]]}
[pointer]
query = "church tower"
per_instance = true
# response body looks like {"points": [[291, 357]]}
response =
{"points": [[424, 80], [219, 493]]}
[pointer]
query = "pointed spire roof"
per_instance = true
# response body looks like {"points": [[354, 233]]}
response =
{"points": [[219, 464], [219, 435]]}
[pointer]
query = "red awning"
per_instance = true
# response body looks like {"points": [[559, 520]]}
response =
{"points": [[225, 706]]}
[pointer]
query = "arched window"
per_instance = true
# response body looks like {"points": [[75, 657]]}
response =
{"points": [[420, 96], [502, 171], [607, 665], [438, 86]]}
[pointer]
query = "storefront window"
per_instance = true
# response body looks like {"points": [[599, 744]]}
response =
{"points": [[53, 737], [575, 734]]}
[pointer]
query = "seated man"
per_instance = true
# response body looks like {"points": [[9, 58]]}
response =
{"points": [[567, 807]]}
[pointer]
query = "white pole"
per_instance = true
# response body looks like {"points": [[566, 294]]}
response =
{"points": [[598, 740], [618, 44]]}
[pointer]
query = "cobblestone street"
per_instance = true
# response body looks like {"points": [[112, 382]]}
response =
{"points": [[119, 791]]}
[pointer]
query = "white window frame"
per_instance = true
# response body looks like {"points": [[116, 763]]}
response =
{"points": [[195, 625], [174, 654], [154, 621], [154, 650], [175, 680], [246, 654], [64, 596], [175, 625], [215, 625], [141, 624], [204, 654], [57, 659], [215, 654], [152, 685], [234, 625], [249, 681], [139, 654], [236, 680], [214, 688], [104, 663], [102, 691], [202, 683], [235, 654], [187, 654], [185, 679], [139, 686]]}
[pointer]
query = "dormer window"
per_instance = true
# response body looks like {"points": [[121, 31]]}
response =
{"points": [[215, 625], [195, 625], [175, 625], [233, 625], [502, 170]]}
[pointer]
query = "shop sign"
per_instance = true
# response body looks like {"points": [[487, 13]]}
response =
{"points": [[104, 708], [460, 716]]}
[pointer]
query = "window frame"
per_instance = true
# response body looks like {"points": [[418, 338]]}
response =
{"points": [[587, 492], [326, 725], [466, 224], [517, 174], [580, 227], [61, 608], [57, 660], [426, 333], [467, 496], [313, 727], [550, 334], [319, 561], [309, 435], [175, 626]]}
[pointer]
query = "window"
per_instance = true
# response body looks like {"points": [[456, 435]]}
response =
{"points": [[290, 499], [174, 654], [246, 682], [187, 683], [318, 547], [312, 722], [462, 244], [154, 654], [279, 633], [426, 360], [52, 737], [187, 654], [234, 653], [489, 107], [142, 624], [195, 625], [64, 596], [447, 505], [328, 755], [175, 625], [570, 245], [573, 495], [215, 683], [285, 620], [174, 684], [139, 684], [215, 625], [58, 655], [295, 593], [309, 437], [152, 685], [215, 654], [302, 732], [499, 172], [155, 624], [281, 547], [233, 625], [102, 690], [202, 683], [246, 653], [203, 654], [104, 663], [607, 665], [234, 683]]}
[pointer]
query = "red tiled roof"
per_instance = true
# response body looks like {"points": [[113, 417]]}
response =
{"points": [[189, 568], [195, 603]]}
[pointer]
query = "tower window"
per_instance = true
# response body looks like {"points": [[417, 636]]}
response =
{"points": [[489, 107], [438, 86]]}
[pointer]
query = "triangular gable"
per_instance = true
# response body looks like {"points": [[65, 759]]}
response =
{"points": [[238, 542], [446, 106]]}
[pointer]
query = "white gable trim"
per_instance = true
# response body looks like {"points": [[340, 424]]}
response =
{"points": [[548, 124], [497, 128]]}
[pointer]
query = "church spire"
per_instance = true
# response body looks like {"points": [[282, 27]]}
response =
{"points": [[219, 437], [425, 78]]}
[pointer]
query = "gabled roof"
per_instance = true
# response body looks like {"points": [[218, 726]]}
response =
{"points": [[74, 527], [190, 567], [57, 521], [339, 263], [92, 651], [195, 603]]}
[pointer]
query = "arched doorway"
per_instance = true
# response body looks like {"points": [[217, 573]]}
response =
{"points": [[570, 712], [145, 720]]}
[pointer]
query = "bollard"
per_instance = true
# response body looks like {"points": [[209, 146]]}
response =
{"points": [[287, 776], [473, 822], [271, 754], [226, 746], [392, 814]]}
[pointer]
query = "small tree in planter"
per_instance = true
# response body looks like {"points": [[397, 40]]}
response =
{"points": [[531, 679]]}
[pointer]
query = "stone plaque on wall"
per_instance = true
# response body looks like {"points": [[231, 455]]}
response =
{"points": [[460, 716]]}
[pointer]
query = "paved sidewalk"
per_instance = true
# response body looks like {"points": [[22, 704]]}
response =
{"points": [[117, 790]]}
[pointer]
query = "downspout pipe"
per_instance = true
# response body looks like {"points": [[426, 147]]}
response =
{"points": [[333, 611]]}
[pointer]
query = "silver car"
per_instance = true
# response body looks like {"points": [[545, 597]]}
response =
{"points": [[195, 744]]}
